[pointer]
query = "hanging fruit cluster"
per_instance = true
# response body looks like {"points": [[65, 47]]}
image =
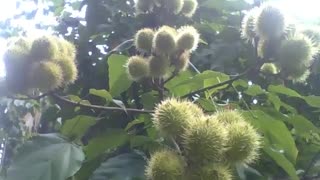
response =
{"points": [[209, 144], [44, 63], [184, 7], [165, 48], [290, 50]]}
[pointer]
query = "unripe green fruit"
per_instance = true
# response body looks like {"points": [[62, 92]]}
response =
{"points": [[313, 33], [243, 143], [143, 39], [138, 67], [159, 66], [295, 52], [228, 116], [188, 38], [269, 68], [297, 73], [268, 48], [248, 24], [270, 22], [173, 6], [172, 116], [204, 142], [44, 48], [69, 70], [189, 8], [67, 49], [181, 63], [143, 6], [208, 172], [165, 165], [46, 75], [164, 41]]}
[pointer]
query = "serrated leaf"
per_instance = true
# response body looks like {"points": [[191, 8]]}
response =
{"points": [[254, 90], [107, 141], [46, 157], [118, 77], [128, 166], [77, 126], [279, 89], [101, 93]]}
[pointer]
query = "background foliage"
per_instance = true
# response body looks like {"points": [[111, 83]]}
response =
{"points": [[81, 143]]}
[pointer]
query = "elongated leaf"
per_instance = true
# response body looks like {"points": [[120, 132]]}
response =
{"points": [[77, 126], [109, 140], [303, 126], [101, 93], [46, 157], [123, 167], [118, 77], [279, 89]]}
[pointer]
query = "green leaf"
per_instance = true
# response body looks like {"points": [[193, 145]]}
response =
{"points": [[111, 139], [124, 46], [275, 131], [313, 101], [303, 126], [76, 127], [101, 93], [279, 89], [254, 90], [46, 157], [118, 77], [122, 167]]}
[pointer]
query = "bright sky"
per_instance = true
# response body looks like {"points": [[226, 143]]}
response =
{"points": [[302, 10]]}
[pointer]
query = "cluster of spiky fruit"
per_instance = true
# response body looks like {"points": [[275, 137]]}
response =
{"points": [[184, 7], [291, 50], [209, 144], [162, 49], [44, 63]]}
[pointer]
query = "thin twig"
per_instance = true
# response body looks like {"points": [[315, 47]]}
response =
{"points": [[96, 107], [30, 97]]}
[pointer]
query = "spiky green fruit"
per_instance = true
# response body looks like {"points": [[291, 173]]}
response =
{"points": [[248, 24], [208, 172], [228, 116], [67, 49], [173, 6], [268, 48], [313, 33], [188, 38], [270, 22], [164, 41], [181, 62], [143, 39], [137, 67], [189, 8], [295, 56], [45, 75], [159, 66], [269, 68], [172, 116], [165, 165], [44, 48], [143, 6], [243, 143], [204, 142], [69, 70]]}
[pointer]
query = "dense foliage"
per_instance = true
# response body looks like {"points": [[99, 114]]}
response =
{"points": [[137, 64]]}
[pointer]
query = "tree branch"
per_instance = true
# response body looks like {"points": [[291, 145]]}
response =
{"points": [[96, 107]]}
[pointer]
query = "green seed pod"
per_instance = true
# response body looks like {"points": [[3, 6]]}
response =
{"points": [[296, 55], [44, 48], [269, 48], [173, 6], [313, 33], [181, 63], [248, 24], [269, 68], [165, 165], [189, 8], [45, 75], [212, 171], [137, 67], [188, 38], [143, 40], [173, 116], [143, 6], [66, 49], [164, 41], [204, 142], [243, 143], [159, 66], [270, 22], [228, 116], [69, 70]]}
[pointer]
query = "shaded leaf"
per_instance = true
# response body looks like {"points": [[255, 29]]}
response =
{"points": [[77, 126], [101, 93]]}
